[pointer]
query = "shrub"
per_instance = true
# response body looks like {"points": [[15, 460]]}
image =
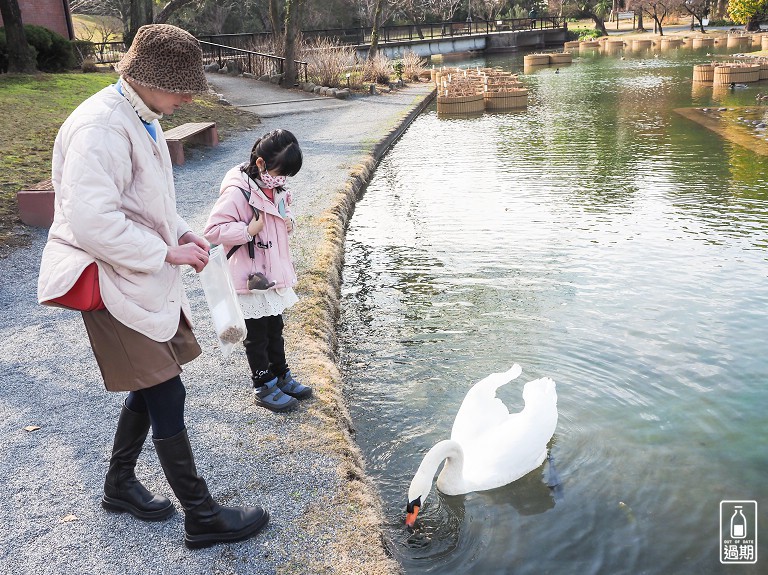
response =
{"points": [[327, 61], [588, 35], [54, 52], [89, 66], [83, 50], [378, 69], [413, 66], [262, 66]]}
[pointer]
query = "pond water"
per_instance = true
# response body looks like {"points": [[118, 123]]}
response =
{"points": [[600, 239]]}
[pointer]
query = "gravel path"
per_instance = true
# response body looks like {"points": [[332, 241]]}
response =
{"points": [[302, 466]]}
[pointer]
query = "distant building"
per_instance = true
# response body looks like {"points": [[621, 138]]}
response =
{"points": [[51, 14]]}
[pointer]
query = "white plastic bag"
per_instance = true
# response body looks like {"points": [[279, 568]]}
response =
{"points": [[222, 301]]}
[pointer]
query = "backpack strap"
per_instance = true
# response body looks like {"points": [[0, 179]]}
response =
{"points": [[250, 244]]}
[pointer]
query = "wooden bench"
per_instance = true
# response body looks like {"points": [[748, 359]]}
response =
{"points": [[36, 204], [197, 132]]}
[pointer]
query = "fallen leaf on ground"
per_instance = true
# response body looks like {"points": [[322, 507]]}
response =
{"points": [[31, 428], [68, 518]]}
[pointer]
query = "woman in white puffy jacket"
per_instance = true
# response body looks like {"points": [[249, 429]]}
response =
{"points": [[115, 212]]}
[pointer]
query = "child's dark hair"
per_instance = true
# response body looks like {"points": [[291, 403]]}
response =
{"points": [[280, 151]]}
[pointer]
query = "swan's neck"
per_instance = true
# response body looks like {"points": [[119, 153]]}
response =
{"points": [[451, 480]]}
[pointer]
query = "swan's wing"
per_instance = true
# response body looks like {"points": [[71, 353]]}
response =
{"points": [[518, 445], [481, 410]]}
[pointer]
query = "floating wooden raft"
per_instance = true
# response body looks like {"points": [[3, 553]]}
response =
{"points": [[571, 45], [589, 44], [641, 44], [704, 73], [738, 42], [702, 43], [536, 60], [560, 58], [763, 69], [457, 105], [667, 43], [506, 99], [736, 73]]}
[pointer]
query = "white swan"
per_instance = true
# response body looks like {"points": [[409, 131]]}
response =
{"points": [[489, 447]]}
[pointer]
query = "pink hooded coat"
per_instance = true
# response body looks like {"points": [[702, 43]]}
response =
{"points": [[228, 225]]}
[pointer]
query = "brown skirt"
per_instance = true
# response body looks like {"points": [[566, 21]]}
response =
{"points": [[129, 360]]}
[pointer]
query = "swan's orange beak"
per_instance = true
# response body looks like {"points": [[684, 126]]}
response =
{"points": [[412, 510], [410, 516]]}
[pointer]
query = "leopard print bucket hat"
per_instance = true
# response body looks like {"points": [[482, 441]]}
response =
{"points": [[166, 58]]}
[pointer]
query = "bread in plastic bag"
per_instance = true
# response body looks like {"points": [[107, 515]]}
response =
{"points": [[222, 301]]}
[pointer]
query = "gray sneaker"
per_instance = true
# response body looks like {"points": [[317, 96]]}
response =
{"points": [[288, 385], [272, 397]]}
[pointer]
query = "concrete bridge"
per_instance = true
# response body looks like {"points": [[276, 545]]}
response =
{"points": [[502, 41]]}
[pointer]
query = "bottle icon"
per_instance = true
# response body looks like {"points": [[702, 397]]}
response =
{"points": [[738, 524]]}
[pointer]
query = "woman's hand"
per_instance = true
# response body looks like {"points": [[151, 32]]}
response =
{"points": [[288, 224], [255, 226], [190, 253], [191, 237]]}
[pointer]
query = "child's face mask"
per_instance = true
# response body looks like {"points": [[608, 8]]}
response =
{"points": [[271, 181]]}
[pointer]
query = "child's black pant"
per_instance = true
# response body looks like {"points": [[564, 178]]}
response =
{"points": [[265, 348]]}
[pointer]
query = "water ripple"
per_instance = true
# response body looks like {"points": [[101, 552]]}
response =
{"points": [[596, 238]]}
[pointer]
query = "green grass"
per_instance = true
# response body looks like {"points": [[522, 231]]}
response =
{"points": [[35, 106]]}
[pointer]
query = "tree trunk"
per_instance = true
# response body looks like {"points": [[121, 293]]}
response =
{"points": [[720, 9], [599, 24], [141, 14], [375, 31], [640, 26], [21, 59], [274, 18], [292, 26], [168, 9]]}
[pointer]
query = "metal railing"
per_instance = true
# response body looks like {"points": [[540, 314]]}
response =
{"points": [[239, 45], [434, 30], [107, 52], [245, 40], [254, 63]]}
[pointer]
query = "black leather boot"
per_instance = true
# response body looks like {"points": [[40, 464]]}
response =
{"points": [[205, 522], [122, 491]]}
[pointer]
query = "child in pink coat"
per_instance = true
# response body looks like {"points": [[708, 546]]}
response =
{"points": [[252, 219]]}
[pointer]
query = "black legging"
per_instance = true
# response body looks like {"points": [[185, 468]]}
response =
{"points": [[165, 404], [265, 348]]}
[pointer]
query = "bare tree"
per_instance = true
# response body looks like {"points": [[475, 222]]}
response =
{"points": [[218, 14], [597, 10], [445, 8], [276, 19], [21, 58], [169, 9], [487, 9], [415, 11], [658, 10], [375, 30], [292, 28], [698, 9]]}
